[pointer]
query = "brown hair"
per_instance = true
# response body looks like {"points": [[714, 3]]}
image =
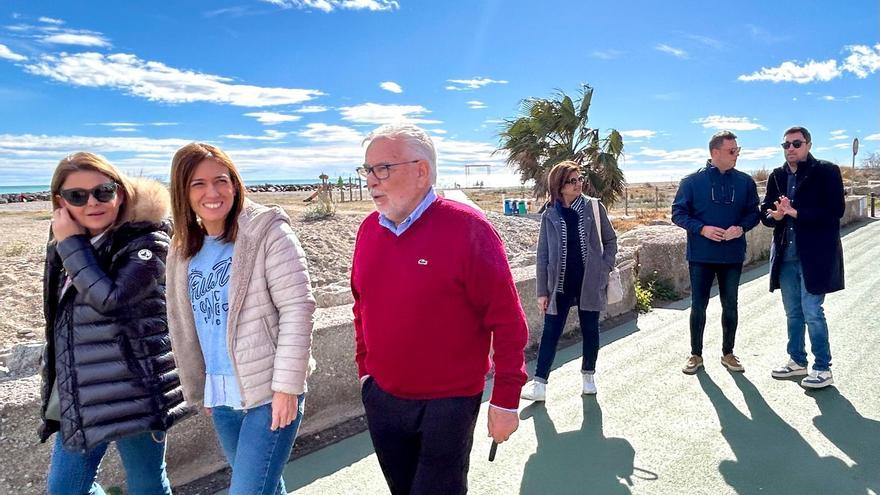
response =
{"points": [[718, 139], [802, 130], [189, 235], [557, 177], [90, 162]]}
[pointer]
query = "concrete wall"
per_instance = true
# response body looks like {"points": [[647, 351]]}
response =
{"points": [[333, 393]]}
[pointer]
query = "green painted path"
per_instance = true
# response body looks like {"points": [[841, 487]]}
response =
{"points": [[654, 430]]}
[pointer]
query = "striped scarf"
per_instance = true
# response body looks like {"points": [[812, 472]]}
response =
{"points": [[578, 206]]}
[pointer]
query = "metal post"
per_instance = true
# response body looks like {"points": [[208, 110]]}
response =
{"points": [[360, 189], [873, 198], [350, 192], [626, 201]]}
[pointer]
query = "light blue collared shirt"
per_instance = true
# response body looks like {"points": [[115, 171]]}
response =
{"points": [[407, 222]]}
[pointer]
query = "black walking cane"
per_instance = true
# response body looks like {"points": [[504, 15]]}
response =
{"points": [[492, 450]]}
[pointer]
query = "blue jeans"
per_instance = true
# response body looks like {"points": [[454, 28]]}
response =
{"points": [[702, 275], [256, 454], [553, 325], [803, 308], [143, 456]]}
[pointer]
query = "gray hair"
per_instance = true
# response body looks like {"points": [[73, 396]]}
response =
{"points": [[718, 139], [414, 139]]}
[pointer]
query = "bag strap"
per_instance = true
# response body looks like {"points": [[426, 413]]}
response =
{"points": [[597, 222]]}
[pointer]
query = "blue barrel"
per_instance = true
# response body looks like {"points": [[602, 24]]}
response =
{"points": [[507, 207]]}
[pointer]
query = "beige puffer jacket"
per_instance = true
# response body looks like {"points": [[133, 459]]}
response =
{"points": [[271, 307]]}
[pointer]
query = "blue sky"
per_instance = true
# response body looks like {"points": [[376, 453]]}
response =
{"points": [[290, 87]]}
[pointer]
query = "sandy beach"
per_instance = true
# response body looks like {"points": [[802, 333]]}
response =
{"points": [[328, 244]]}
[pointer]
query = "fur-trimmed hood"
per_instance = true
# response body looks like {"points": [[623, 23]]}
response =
{"points": [[151, 202]]}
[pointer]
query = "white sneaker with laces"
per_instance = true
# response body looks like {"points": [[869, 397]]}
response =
{"points": [[535, 391], [589, 384], [788, 369], [818, 379]]}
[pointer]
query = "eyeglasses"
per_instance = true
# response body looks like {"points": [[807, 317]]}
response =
{"points": [[381, 171], [797, 143], [79, 197], [574, 180], [732, 151]]}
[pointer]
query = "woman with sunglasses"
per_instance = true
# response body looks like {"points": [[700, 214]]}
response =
{"points": [[240, 309], [108, 371], [572, 266]]}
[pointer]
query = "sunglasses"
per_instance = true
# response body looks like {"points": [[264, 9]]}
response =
{"points": [[79, 197], [574, 180], [732, 151], [797, 143]]}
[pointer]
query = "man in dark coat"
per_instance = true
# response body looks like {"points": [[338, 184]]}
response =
{"points": [[804, 203], [717, 205]]}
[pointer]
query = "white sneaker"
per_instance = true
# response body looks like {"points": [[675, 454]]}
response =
{"points": [[589, 384], [818, 379], [535, 391], [788, 370]]}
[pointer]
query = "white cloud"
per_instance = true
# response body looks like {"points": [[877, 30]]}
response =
{"points": [[475, 83], [476, 104], [125, 129], [76, 39], [862, 61], [8, 54], [49, 20], [272, 118], [710, 42], [268, 135], [59, 146], [156, 81], [391, 86], [437, 131], [375, 113], [839, 135], [675, 52], [331, 5], [729, 123], [839, 98], [610, 54], [696, 156], [841, 146], [324, 133], [311, 109], [638, 133], [873, 137]]}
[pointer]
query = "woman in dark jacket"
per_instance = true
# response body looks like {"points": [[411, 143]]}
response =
{"points": [[572, 270], [108, 371]]}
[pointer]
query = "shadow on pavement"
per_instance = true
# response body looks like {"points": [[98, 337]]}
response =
{"points": [[771, 456], [582, 461], [858, 437]]}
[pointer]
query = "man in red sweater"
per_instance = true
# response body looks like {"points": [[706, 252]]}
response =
{"points": [[433, 292]]}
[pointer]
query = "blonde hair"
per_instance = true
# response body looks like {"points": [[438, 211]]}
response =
{"points": [[90, 162]]}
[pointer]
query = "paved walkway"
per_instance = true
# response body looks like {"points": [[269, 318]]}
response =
{"points": [[654, 430]]}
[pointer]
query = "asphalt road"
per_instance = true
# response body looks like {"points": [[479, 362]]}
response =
{"points": [[654, 430]]}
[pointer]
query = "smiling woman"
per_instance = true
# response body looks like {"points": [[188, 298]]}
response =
{"points": [[244, 356]]}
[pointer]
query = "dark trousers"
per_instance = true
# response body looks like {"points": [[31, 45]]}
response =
{"points": [[553, 325], [423, 446], [702, 277]]}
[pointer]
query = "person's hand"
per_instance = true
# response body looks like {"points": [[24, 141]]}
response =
{"points": [[712, 233], [543, 302], [776, 214], [733, 232], [502, 424], [63, 225], [787, 209], [284, 409]]}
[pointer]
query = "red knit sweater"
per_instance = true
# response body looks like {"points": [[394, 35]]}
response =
{"points": [[429, 303]]}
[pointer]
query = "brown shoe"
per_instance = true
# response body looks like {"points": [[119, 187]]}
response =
{"points": [[693, 365], [732, 363]]}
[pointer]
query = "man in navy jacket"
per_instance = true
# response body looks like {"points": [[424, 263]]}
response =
{"points": [[804, 204], [717, 205]]}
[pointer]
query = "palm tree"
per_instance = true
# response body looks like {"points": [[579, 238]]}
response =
{"points": [[551, 130]]}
